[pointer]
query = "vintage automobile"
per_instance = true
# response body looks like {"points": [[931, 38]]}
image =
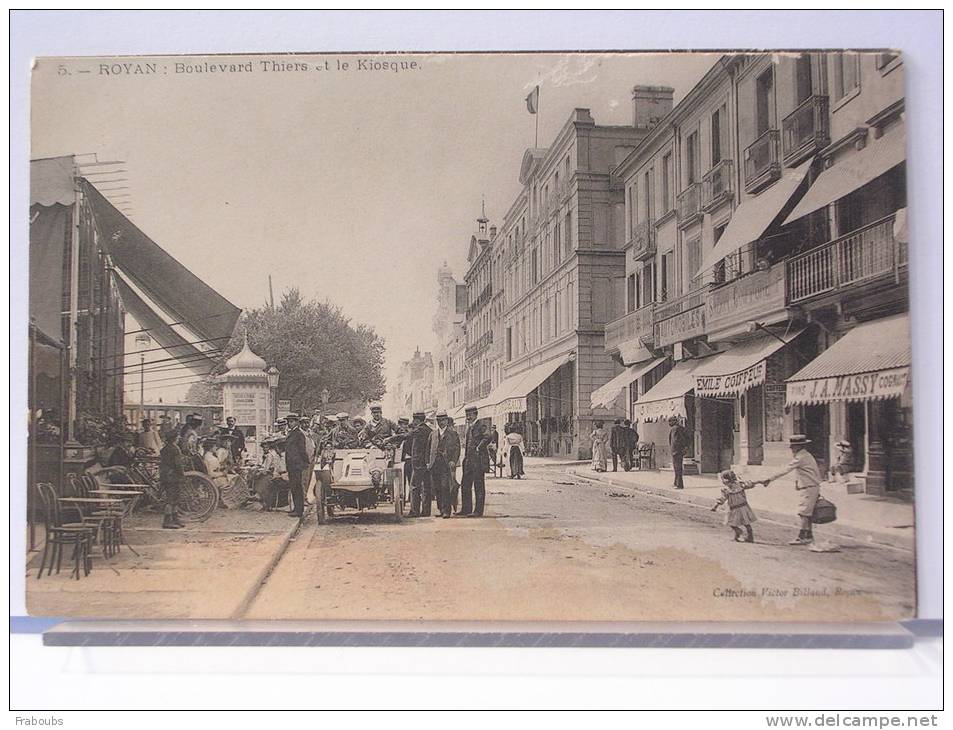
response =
{"points": [[359, 479]]}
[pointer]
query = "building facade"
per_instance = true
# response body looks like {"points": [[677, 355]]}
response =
{"points": [[448, 322], [765, 224]]}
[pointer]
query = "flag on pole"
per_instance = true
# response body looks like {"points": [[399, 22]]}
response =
{"points": [[532, 101]]}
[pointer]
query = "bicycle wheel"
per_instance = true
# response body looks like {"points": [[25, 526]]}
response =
{"points": [[198, 497]]}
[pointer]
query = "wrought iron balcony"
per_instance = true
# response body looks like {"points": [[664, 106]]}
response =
{"points": [[806, 130], [643, 240], [861, 256], [717, 186], [481, 345], [634, 326], [688, 206], [762, 166]]}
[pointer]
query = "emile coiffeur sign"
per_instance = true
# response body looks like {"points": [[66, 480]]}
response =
{"points": [[710, 386], [861, 386]]}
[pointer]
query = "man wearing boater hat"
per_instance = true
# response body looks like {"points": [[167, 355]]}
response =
{"points": [[475, 459], [807, 482], [442, 461], [296, 462]]}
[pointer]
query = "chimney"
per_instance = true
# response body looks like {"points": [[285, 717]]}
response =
{"points": [[650, 104]]}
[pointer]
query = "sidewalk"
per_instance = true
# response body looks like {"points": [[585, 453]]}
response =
{"points": [[884, 520], [207, 570]]}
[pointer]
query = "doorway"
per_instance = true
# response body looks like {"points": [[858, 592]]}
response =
{"points": [[752, 410]]}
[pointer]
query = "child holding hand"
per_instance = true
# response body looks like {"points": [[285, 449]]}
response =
{"points": [[740, 515]]}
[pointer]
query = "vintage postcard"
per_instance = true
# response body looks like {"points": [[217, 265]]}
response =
{"points": [[470, 337]]}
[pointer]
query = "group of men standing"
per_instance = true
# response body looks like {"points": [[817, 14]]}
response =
{"points": [[624, 444], [430, 457]]}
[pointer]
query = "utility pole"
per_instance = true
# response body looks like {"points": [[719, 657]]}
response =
{"points": [[271, 292]]}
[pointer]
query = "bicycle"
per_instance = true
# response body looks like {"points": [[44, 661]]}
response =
{"points": [[198, 496]]}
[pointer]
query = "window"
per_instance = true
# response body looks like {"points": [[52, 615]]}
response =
{"points": [[845, 73], [764, 102], [557, 245], [630, 293], [719, 269], [557, 310], [716, 121], [570, 307], [803, 83], [691, 159], [535, 271], [666, 274], [694, 258], [629, 219], [566, 171], [649, 193], [567, 231], [667, 182]]}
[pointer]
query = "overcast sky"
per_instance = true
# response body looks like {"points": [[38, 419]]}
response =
{"points": [[351, 185]]}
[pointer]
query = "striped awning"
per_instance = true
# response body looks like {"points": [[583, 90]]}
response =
{"points": [[667, 397], [605, 396], [741, 367], [871, 362]]}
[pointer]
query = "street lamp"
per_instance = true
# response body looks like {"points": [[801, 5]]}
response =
{"points": [[143, 341], [272, 373]]}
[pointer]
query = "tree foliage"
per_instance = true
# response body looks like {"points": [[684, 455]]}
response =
{"points": [[205, 392], [314, 346]]}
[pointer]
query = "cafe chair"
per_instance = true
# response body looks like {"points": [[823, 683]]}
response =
{"points": [[61, 534]]}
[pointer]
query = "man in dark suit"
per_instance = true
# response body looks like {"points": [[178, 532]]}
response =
{"points": [[296, 462], [420, 436], [617, 442], [475, 459], [238, 439], [444, 455], [678, 442]]}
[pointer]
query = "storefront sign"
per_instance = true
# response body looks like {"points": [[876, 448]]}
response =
{"points": [[860, 387], [510, 405], [709, 386], [751, 297], [659, 410], [284, 408], [690, 323]]}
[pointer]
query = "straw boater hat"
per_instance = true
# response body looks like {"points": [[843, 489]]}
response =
{"points": [[441, 414], [799, 439], [470, 409], [403, 421]]}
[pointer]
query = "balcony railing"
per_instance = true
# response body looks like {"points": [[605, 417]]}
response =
{"points": [[633, 326], [482, 298], [643, 240], [688, 206], [761, 162], [480, 346], [717, 186], [806, 130], [862, 255]]}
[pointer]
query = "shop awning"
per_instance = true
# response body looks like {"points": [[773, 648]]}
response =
{"points": [[739, 368], [752, 218], [871, 362], [853, 172], [604, 397], [52, 181], [510, 397], [667, 397], [187, 355], [633, 352], [167, 282]]}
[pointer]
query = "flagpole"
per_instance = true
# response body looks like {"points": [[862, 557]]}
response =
{"points": [[536, 137]]}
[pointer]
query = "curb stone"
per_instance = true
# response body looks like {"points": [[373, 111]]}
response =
{"points": [[839, 529]]}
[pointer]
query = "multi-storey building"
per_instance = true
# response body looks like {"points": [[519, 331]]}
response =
{"points": [[479, 313], [448, 324], [414, 390], [773, 301], [559, 259]]}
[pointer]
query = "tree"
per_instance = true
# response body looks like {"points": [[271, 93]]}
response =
{"points": [[314, 346], [204, 392]]}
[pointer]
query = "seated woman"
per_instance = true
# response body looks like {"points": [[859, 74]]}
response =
{"points": [[213, 465]]}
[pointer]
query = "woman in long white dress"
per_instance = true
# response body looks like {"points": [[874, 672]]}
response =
{"points": [[599, 438], [514, 452]]}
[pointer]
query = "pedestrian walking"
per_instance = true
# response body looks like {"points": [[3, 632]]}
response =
{"points": [[492, 449], [807, 482], [678, 443], [171, 479], [632, 443], [444, 455], [740, 515], [514, 452], [475, 460], [600, 440], [296, 462], [618, 443]]}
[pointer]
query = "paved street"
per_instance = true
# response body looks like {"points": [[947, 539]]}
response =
{"points": [[561, 547]]}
